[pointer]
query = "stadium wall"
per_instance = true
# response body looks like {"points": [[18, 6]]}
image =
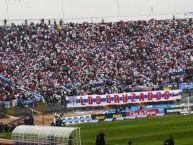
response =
{"points": [[93, 10]]}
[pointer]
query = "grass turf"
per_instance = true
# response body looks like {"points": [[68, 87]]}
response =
{"points": [[6, 135], [148, 131]]}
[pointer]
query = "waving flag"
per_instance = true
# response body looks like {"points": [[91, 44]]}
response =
{"points": [[38, 97], [5, 79]]}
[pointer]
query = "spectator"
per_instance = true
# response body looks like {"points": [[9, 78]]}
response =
{"points": [[91, 58]]}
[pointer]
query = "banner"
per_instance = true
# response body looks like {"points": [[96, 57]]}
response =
{"points": [[28, 102], [76, 119], [37, 96], [105, 116], [173, 111], [123, 98], [186, 86], [151, 112], [131, 114]]}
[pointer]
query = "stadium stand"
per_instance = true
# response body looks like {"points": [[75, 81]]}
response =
{"points": [[55, 61]]}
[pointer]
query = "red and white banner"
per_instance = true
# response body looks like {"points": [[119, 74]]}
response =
{"points": [[123, 98], [151, 112]]}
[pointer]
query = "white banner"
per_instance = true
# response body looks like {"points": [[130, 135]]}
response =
{"points": [[76, 119], [123, 98]]}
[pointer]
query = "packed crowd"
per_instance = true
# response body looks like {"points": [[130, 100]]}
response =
{"points": [[94, 58]]}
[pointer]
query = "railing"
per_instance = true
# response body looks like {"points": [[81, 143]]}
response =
{"points": [[45, 108], [101, 19]]}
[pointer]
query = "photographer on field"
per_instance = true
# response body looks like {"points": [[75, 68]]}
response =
{"points": [[100, 138], [169, 141]]}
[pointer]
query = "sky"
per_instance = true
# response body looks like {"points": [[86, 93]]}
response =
{"points": [[96, 9]]}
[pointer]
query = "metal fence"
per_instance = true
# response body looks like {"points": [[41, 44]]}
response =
{"points": [[2, 110], [45, 108], [35, 109]]}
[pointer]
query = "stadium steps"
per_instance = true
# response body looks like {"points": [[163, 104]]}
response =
{"points": [[55, 108], [36, 112], [10, 111]]}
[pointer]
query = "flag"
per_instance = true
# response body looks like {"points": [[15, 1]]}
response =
{"points": [[5, 79], [38, 97], [65, 68]]}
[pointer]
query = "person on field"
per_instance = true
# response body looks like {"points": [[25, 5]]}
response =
{"points": [[130, 143], [171, 141], [166, 142], [102, 137], [98, 139]]}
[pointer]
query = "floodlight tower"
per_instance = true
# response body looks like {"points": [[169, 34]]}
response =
{"points": [[189, 95], [118, 12]]}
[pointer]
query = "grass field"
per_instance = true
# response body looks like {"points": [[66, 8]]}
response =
{"points": [[149, 131]]}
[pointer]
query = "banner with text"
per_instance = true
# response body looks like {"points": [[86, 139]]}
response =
{"points": [[76, 119], [186, 86], [123, 98], [137, 113]]}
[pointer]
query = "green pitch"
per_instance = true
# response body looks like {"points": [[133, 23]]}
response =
{"points": [[149, 131]]}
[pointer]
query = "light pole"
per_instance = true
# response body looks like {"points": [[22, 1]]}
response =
{"points": [[42, 111], [63, 10], [188, 98], [7, 7], [174, 7], [189, 94], [118, 8]]}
